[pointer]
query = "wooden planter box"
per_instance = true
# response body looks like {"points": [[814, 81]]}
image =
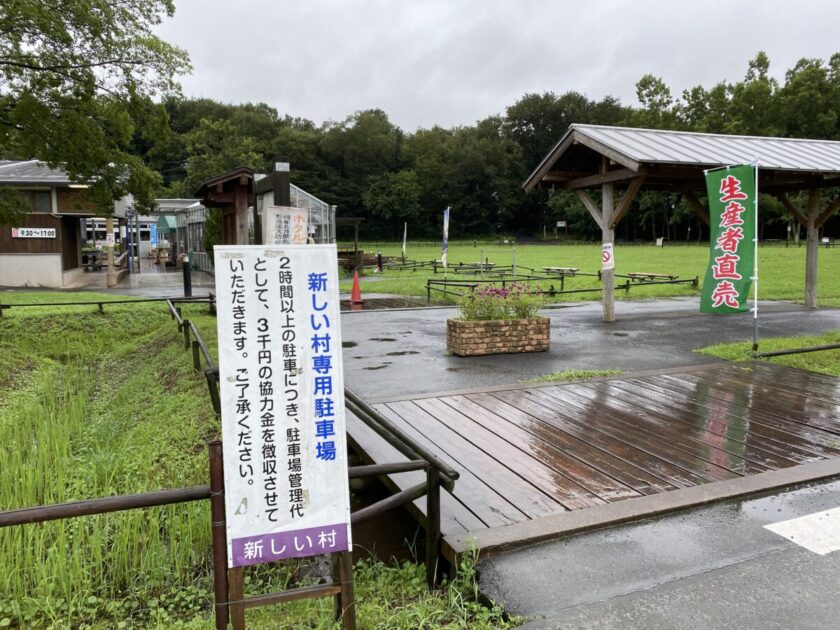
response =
{"points": [[467, 338]]}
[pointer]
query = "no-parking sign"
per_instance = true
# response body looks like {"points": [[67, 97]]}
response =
{"points": [[607, 258]]}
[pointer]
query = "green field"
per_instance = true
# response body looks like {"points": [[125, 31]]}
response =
{"points": [[781, 269], [824, 362], [101, 404]]}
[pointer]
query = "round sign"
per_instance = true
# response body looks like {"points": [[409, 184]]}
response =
{"points": [[109, 240], [605, 256]]}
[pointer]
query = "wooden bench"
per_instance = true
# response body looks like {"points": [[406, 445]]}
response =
{"points": [[561, 271], [462, 267], [639, 276]]}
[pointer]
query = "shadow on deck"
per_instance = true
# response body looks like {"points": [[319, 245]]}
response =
{"points": [[541, 461]]}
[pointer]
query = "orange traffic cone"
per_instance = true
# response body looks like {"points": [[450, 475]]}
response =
{"points": [[356, 294]]}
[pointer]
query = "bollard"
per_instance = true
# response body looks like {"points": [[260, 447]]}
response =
{"points": [[187, 268], [379, 261]]}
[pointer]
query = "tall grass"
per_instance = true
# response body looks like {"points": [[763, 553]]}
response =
{"points": [[98, 405]]}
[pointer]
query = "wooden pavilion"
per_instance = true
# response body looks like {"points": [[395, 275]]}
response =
{"points": [[233, 193], [591, 157]]}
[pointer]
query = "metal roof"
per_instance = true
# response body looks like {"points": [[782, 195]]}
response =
{"points": [[634, 147], [31, 172]]}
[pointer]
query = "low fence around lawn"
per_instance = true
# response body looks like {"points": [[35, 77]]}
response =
{"points": [[454, 288], [230, 602]]}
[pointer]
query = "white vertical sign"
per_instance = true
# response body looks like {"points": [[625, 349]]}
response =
{"points": [[445, 246], [282, 394], [285, 226]]}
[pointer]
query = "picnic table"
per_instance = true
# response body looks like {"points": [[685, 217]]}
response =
{"points": [[463, 267], [561, 271], [639, 276], [91, 260]]}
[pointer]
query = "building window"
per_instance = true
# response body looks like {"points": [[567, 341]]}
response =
{"points": [[43, 201]]}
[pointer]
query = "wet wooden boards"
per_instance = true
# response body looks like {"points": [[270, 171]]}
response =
{"points": [[528, 452]]}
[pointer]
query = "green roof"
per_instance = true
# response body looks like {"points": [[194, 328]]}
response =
{"points": [[166, 223]]}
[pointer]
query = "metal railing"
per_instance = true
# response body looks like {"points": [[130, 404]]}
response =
{"points": [[438, 473]]}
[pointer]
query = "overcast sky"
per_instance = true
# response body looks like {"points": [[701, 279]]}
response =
{"points": [[452, 62]]}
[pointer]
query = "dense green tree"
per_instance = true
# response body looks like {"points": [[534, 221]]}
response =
{"points": [[216, 146], [391, 199], [657, 105], [809, 100], [538, 121], [77, 82]]}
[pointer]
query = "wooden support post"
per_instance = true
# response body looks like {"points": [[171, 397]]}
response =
{"points": [[236, 593], [432, 525], [240, 197], [217, 518], [196, 355], [348, 600], [345, 605], [794, 211], [813, 248], [111, 275], [695, 204], [589, 204], [627, 199], [607, 236], [828, 212]]}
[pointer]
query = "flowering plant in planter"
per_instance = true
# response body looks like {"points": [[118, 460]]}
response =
{"points": [[498, 320], [516, 301]]}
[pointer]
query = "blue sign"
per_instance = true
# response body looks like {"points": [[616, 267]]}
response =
{"points": [[153, 234]]}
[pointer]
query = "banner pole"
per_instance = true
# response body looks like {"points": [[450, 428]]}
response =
{"points": [[755, 268]]}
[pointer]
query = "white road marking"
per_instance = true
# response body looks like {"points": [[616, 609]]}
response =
{"points": [[818, 532]]}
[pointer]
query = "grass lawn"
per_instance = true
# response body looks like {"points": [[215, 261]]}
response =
{"points": [[574, 375], [96, 404], [824, 362], [781, 272]]}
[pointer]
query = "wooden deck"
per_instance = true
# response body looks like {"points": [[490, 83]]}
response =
{"points": [[526, 453]]}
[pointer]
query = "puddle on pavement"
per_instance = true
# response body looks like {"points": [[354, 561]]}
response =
{"points": [[348, 344], [454, 369], [382, 339], [621, 334], [377, 367], [401, 353]]}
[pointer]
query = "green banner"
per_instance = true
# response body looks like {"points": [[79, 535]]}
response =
{"points": [[732, 214]]}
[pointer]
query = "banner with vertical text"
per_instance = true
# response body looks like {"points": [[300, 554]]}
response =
{"points": [[445, 245], [732, 215]]}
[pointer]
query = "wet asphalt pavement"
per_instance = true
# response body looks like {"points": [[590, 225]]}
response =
{"points": [[712, 568], [389, 354]]}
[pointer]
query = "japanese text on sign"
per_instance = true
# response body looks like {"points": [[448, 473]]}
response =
{"points": [[285, 226], [282, 393], [732, 212]]}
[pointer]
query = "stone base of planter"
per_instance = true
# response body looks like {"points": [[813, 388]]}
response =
{"points": [[467, 338]]}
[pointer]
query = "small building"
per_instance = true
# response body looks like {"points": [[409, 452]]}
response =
{"points": [[45, 248], [241, 196]]}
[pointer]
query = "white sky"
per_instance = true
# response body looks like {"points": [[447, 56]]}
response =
{"points": [[452, 62]]}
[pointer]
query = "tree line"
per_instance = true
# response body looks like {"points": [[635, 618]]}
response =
{"points": [[370, 168]]}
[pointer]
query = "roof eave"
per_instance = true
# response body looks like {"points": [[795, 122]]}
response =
{"points": [[576, 135]]}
